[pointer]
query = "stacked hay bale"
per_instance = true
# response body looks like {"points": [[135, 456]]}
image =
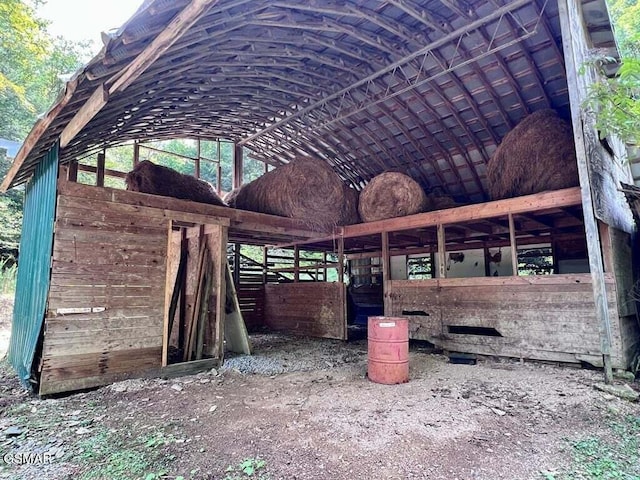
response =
{"points": [[349, 214], [305, 189], [537, 155], [439, 201], [147, 177], [389, 195]]}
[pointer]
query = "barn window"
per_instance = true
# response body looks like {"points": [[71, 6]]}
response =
{"points": [[419, 267]]}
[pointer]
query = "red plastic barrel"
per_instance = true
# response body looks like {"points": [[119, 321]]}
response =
{"points": [[388, 350]]}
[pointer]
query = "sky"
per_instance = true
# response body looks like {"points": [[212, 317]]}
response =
{"points": [[85, 19]]}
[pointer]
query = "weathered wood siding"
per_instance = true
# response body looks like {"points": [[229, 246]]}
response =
{"points": [[105, 313], [307, 308], [605, 170], [252, 301], [546, 317]]}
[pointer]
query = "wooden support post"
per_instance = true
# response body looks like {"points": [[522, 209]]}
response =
{"points": [[203, 315], [514, 246], [487, 262], [192, 327], [220, 267], [136, 153], [324, 263], [197, 160], [236, 264], [265, 261], [569, 11], [167, 299], [343, 288], [607, 249], [554, 255], [100, 169], [72, 174], [386, 273], [182, 316], [442, 253], [296, 264], [237, 166], [219, 167]]}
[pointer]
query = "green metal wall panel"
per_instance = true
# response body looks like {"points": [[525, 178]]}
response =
{"points": [[34, 265]]}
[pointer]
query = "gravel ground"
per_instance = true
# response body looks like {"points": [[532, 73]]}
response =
{"points": [[275, 354]]}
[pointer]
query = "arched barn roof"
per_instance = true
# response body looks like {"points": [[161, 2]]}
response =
{"points": [[427, 87]]}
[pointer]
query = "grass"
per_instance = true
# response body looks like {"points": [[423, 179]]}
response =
{"points": [[106, 455], [8, 274], [598, 458]]}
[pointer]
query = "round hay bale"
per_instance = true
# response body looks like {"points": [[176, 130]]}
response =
{"points": [[440, 202], [147, 177], [305, 189], [349, 214], [391, 194], [230, 197], [537, 155]]}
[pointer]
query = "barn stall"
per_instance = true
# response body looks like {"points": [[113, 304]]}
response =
{"points": [[427, 88]]}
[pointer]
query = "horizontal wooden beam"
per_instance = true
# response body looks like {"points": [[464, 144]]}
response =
{"points": [[107, 171], [241, 220], [499, 208], [556, 199]]}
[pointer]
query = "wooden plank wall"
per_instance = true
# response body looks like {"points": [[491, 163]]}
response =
{"points": [[252, 304], [307, 308], [104, 317], [546, 317]]}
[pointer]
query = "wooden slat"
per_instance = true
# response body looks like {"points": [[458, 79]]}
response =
{"points": [[121, 276], [313, 308], [549, 317], [77, 371]]}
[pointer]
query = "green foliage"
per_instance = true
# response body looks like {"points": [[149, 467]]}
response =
{"points": [[32, 63], [603, 458], [250, 467], [626, 20], [10, 215], [8, 276], [616, 101]]}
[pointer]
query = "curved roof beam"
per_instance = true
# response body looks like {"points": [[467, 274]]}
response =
{"points": [[393, 67]]}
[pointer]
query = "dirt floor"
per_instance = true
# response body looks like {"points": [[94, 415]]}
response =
{"points": [[303, 409]]}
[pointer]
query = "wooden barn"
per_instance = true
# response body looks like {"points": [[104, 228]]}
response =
{"points": [[116, 284]]}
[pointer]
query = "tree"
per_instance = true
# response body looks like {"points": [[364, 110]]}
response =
{"points": [[32, 67], [30, 79], [10, 215], [616, 100]]}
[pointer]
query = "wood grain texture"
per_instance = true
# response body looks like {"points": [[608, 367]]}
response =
{"points": [[110, 258], [546, 317], [314, 309]]}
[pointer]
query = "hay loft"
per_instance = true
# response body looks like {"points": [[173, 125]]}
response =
{"points": [[147, 177], [537, 155], [391, 194]]}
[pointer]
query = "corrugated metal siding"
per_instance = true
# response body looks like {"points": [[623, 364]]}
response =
{"points": [[34, 264]]}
